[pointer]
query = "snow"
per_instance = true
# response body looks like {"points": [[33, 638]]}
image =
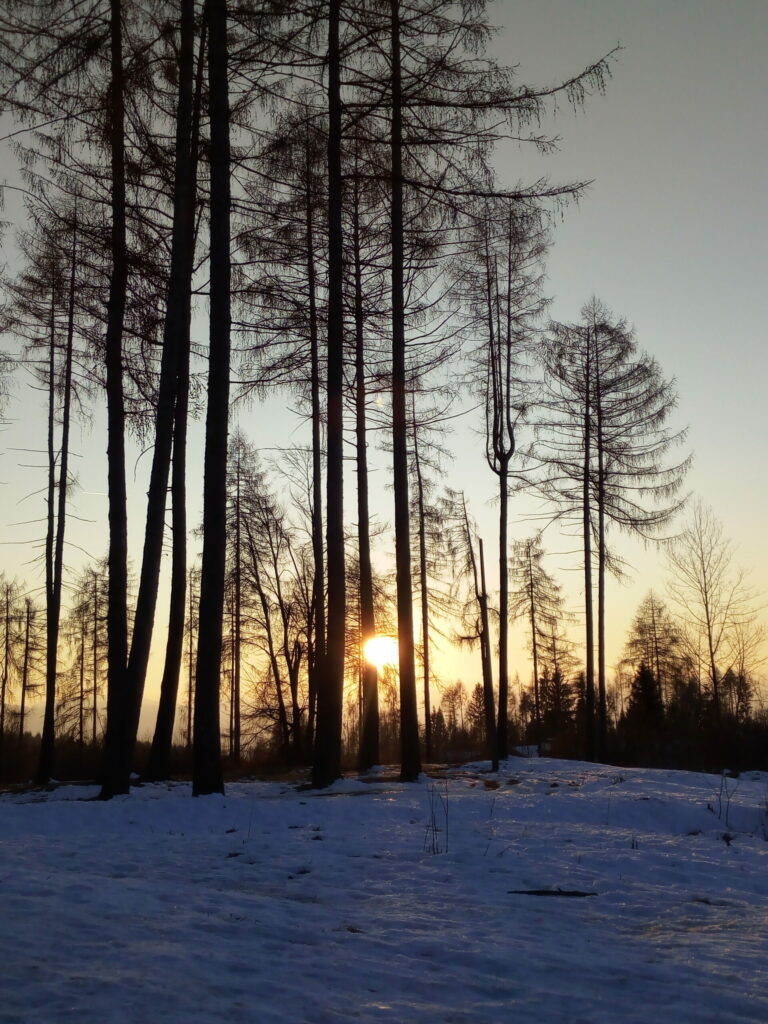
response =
{"points": [[278, 903]]}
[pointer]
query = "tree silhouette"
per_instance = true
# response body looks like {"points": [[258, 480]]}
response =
{"points": [[606, 447]]}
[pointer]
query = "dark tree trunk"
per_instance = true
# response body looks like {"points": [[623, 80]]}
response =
{"points": [[51, 621], [316, 664], [95, 659], [503, 608], [588, 611], [326, 766], [207, 774], [534, 651], [409, 723], [6, 668], [117, 612], [369, 731], [173, 340], [485, 647], [47, 740], [236, 634], [486, 661], [423, 590], [602, 707], [25, 666], [159, 758], [81, 694], [191, 666], [282, 715]]}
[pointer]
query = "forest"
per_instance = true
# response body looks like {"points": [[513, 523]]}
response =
{"points": [[231, 208]]}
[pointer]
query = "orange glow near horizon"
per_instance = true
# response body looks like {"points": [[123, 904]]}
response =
{"points": [[381, 651]]}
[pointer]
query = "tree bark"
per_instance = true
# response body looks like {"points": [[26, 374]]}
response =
{"points": [[369, 731], [173, 335], [587, 529], [316, 666], [207, 775], [47, 740], [162, 740], [117, 613], [25, 667], [326, 766], [410, 766], [424, 591], [485, 647]]}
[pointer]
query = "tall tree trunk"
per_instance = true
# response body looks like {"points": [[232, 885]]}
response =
{"points": [[602, 707], [588, 610], [81, 695], [409, 723], [117, 611], [602, 704], [282, 715], [47, 740], [423, 589], [326, 765], [6, 668], [51, 621], [316, 665], [162, 740], [173, 335], [369, 730], [486, 662], [207, 774], [503, 608], [191, 664], [25, 666], [236, 635], [95, 662], [534, 650], [485, 647]]}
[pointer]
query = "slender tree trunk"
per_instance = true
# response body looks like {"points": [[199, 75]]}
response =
{"points": [[173, 335], [81, 696], [6, 668], [534, 651], [207, 770], [282, 715], [602, 707], [490, 724], [409, 722], [326, 766], [503, 608], [190, 668], [588, 611], [423, 590], [236, 634], [47, 740], [44, 766], [486, 662], [162, 741], [369, 728], [602, 703], [316, 665], [95, 663], [117, 612], [25, 667]]}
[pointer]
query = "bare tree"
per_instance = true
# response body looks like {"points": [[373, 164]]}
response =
{"points": [[713, 594], [606, 446]]}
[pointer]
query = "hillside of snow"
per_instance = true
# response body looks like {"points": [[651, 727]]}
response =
{"points": [[553, 891]]}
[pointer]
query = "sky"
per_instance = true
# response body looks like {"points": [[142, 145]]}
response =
{"points": [[672, 235]]}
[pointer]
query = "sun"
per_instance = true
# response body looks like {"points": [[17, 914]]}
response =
{"points": [[381, 651]]}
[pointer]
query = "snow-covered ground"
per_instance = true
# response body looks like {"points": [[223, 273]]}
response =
{"points": [[276, 903]]}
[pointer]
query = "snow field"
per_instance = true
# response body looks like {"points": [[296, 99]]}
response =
{"points": [[275, 903]]}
